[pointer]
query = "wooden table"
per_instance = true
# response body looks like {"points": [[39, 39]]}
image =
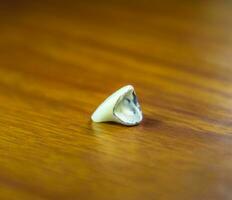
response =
{"points": [[60, 59]]}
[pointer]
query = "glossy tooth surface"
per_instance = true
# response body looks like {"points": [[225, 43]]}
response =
{"points": [[121, 107]]}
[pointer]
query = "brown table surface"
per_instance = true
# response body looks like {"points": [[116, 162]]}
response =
{"points": [[60, 59]]}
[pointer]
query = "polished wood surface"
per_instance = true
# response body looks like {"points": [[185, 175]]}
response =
{"points": [[60, 59]]}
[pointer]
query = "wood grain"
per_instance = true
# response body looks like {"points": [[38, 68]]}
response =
{"points": [[59, 60]]}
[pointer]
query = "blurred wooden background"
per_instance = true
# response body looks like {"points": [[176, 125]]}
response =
{"points": [[60, 59]]}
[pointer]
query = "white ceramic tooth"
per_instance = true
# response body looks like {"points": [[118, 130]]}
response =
{"points": [[121, 107]]}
